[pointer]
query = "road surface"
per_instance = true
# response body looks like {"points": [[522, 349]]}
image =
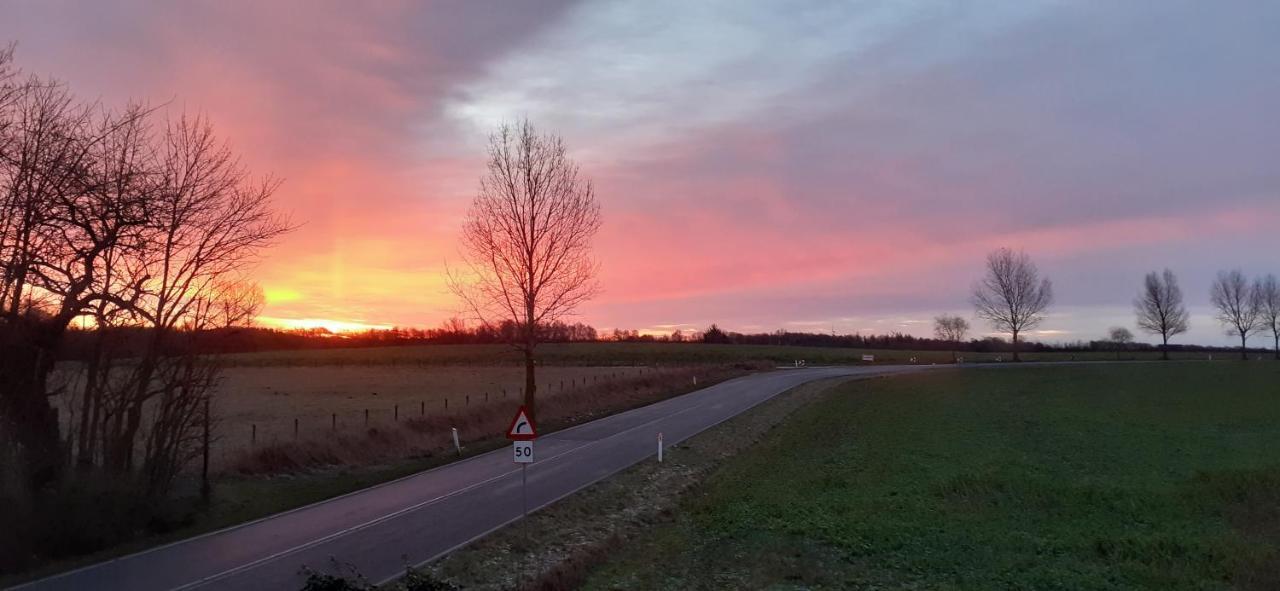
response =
{"points": [[425, 516]]}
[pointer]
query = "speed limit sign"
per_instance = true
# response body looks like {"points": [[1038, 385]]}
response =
{"points": [[524, 452]]}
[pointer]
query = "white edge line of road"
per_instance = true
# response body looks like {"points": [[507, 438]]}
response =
{"points": [[451, 549], [372, 522], [252, 522]]}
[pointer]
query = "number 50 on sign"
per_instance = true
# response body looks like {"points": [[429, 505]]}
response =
{"points": [[524, 452]]}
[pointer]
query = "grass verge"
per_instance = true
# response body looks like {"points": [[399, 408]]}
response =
{"points": [[1091, 477]]}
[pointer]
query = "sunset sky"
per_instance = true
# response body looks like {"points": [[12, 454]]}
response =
{"points": [[762, 165]]}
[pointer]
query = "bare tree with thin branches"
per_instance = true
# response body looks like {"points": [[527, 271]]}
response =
{"points": [[1120, 335], [104, 219], [526, 243], [1120, 338], [1160, 309], [1012, 296], [1238, 304], [951, 329], [1269, 301], [59, 223]]}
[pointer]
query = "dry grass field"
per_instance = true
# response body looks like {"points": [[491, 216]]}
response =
{"points": [[272, 397], [418, 435], [259, 405]]}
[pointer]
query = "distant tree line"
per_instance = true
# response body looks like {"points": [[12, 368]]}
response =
{"points": [[78, 343], [1013, 298], [902, 341]]}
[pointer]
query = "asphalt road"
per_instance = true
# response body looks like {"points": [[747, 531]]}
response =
{"points": [[424, 516]]}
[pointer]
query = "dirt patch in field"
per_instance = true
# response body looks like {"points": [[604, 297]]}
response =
{"points": [[593, 522]]}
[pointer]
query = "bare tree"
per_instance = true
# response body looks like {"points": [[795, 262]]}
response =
{"points": [[1012, 296], [1238, 304], [10, 90], [454, 326], [59, 220], [1160, 309], [102, 218], [527, 239], [206, 224], [1120, 335], [1120, 338], [951, 329], [1269, 301]]}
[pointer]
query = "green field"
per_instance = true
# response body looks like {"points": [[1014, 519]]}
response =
{"points": [[1151, 476], [624, 354]]}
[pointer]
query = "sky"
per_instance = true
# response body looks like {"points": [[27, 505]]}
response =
{"points": [[811, 166]]}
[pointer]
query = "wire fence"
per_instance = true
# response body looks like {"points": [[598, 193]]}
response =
{"points": [[238, 434]]}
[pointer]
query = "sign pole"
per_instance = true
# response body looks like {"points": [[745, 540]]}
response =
{"points": [[522, 432]]}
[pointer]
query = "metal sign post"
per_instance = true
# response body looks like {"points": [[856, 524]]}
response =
{"points": [[522, 432]]}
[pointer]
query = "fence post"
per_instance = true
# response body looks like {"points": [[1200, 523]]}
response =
{"points": [[397, 413], [334, 421], [366, 417], [295, 427], [468, 401], [446, 403], [423, 410], [253, 435]]}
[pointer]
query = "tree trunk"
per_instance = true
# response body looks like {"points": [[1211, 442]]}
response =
{"points": [[530, 384], [1164, 349], [206, 491], [89, 405], [1015, 346], [25, 410], [1277, 335], [126, 439], [1244, 352]]}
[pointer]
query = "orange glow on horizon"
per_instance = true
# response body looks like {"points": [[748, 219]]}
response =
{"points": [[333, 326]]}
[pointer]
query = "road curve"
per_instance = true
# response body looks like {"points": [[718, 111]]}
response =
{"points": [[421, 517]]}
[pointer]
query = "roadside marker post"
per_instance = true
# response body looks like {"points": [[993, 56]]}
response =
{"points": [[456, 444], [522, 432], [659, 447]]}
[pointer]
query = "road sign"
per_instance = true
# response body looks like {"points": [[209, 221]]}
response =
{"points": [[868, 357], [522, 427], [523, 451]]}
